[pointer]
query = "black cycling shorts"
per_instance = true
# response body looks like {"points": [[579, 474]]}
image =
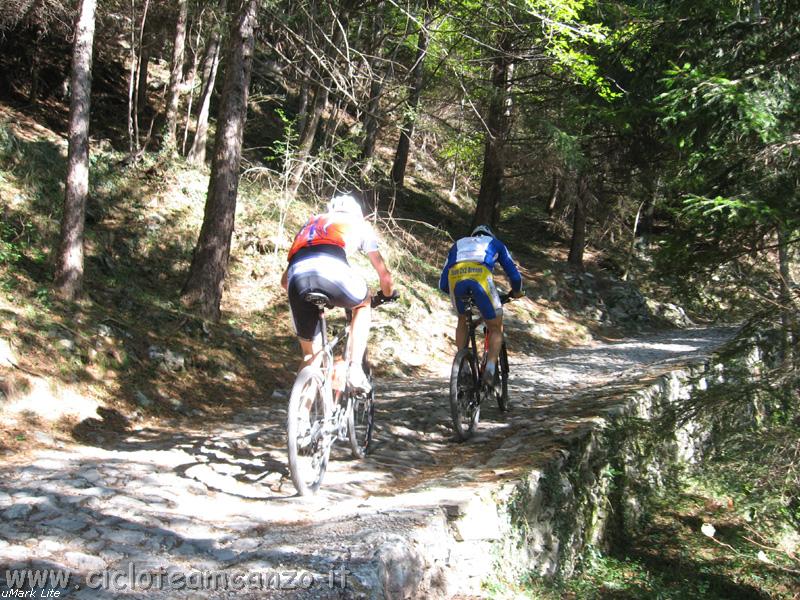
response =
{"points": [[324, 269]]}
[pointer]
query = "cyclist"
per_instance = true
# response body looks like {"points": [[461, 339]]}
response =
{"points": [[318, 263], [468, 270]]}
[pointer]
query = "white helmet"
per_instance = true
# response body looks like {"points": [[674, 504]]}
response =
{"points": [[482, 230], [346, 204]]}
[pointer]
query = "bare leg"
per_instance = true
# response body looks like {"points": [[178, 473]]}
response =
{"points": [[495, 327], [359, 332], [311, 352], [461, 332]]}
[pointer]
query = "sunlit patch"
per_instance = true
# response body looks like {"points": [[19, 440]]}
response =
{"points": [[51, 402], [659, 346]]}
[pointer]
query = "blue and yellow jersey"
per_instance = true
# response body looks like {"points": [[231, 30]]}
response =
{"points": [[475, 258]]}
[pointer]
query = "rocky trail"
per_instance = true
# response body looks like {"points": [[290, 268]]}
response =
{"points": [[194, 511]]}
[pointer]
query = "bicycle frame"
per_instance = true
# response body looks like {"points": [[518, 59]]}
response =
{"points": [[327, 361], [338, 420], [473, 322], [472, 325]]}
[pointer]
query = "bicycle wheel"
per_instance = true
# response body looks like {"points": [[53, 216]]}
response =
{"points": [[361, 418], [502, 393], [464, 394], [309, 444]]}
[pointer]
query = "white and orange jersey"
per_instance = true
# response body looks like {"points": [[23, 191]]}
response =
{"points": [[336, 229]]}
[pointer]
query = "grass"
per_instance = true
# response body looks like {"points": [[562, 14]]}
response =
{"points": [[672, 559]]}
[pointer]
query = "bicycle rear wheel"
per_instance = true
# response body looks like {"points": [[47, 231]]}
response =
{"points": [[465, 405], [309, 444], [502, 393], [361, 418]]}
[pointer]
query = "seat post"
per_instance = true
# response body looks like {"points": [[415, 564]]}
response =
{"points": [[321, 301], [323, 326]]}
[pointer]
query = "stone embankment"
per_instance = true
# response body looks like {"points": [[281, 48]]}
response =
{"points": [[194, 511]]}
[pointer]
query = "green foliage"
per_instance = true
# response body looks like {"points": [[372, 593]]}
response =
{"points": [[9, 250], [672, 559], [465, 151], [566, 146], [282, 147], [730, 111], [722, 94], [732, 211], [762, 472], [569, 38]]}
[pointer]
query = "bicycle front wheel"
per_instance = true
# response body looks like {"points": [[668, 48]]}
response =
{"points": [[309, 443], [464, 394], [361, 418], [502, 393]]}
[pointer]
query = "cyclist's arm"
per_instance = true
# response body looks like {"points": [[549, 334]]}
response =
{"points": [[444, 283], [285, 279], [514, 277], [387, 284]]}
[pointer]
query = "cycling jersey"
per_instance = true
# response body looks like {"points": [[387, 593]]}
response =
{"points": [[468, 271], [485, 250], [336, 229], [318, 263]]}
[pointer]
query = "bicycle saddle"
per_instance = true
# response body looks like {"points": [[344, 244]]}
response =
{"points": [[467, 299], [318, 298]]}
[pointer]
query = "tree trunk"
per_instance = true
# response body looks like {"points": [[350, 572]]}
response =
{"points": [[371, 123], [578, 243], [175, 77], [197, 153], [377, 78], [555, 192], [417, 78], [303, 98], [789, 339], [302, 103], [144, 66], [137, 89], [69, 262], [632, 250], [191, 83], [498, 122], [132, 143], [305, 140], [136, 53], [755, 11], [203, 288], [36, 67]]}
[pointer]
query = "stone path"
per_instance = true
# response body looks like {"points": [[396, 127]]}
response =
{"points": [[187, 501]]}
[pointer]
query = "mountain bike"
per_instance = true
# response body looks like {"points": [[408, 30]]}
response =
{"points": [[319, 414], [466, 377]]}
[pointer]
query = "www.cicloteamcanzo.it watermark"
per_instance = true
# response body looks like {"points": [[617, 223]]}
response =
{"points": [[52, 583]]}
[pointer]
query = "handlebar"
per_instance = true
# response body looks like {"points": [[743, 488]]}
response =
{"points": [[506, 297], [379, 298]]}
